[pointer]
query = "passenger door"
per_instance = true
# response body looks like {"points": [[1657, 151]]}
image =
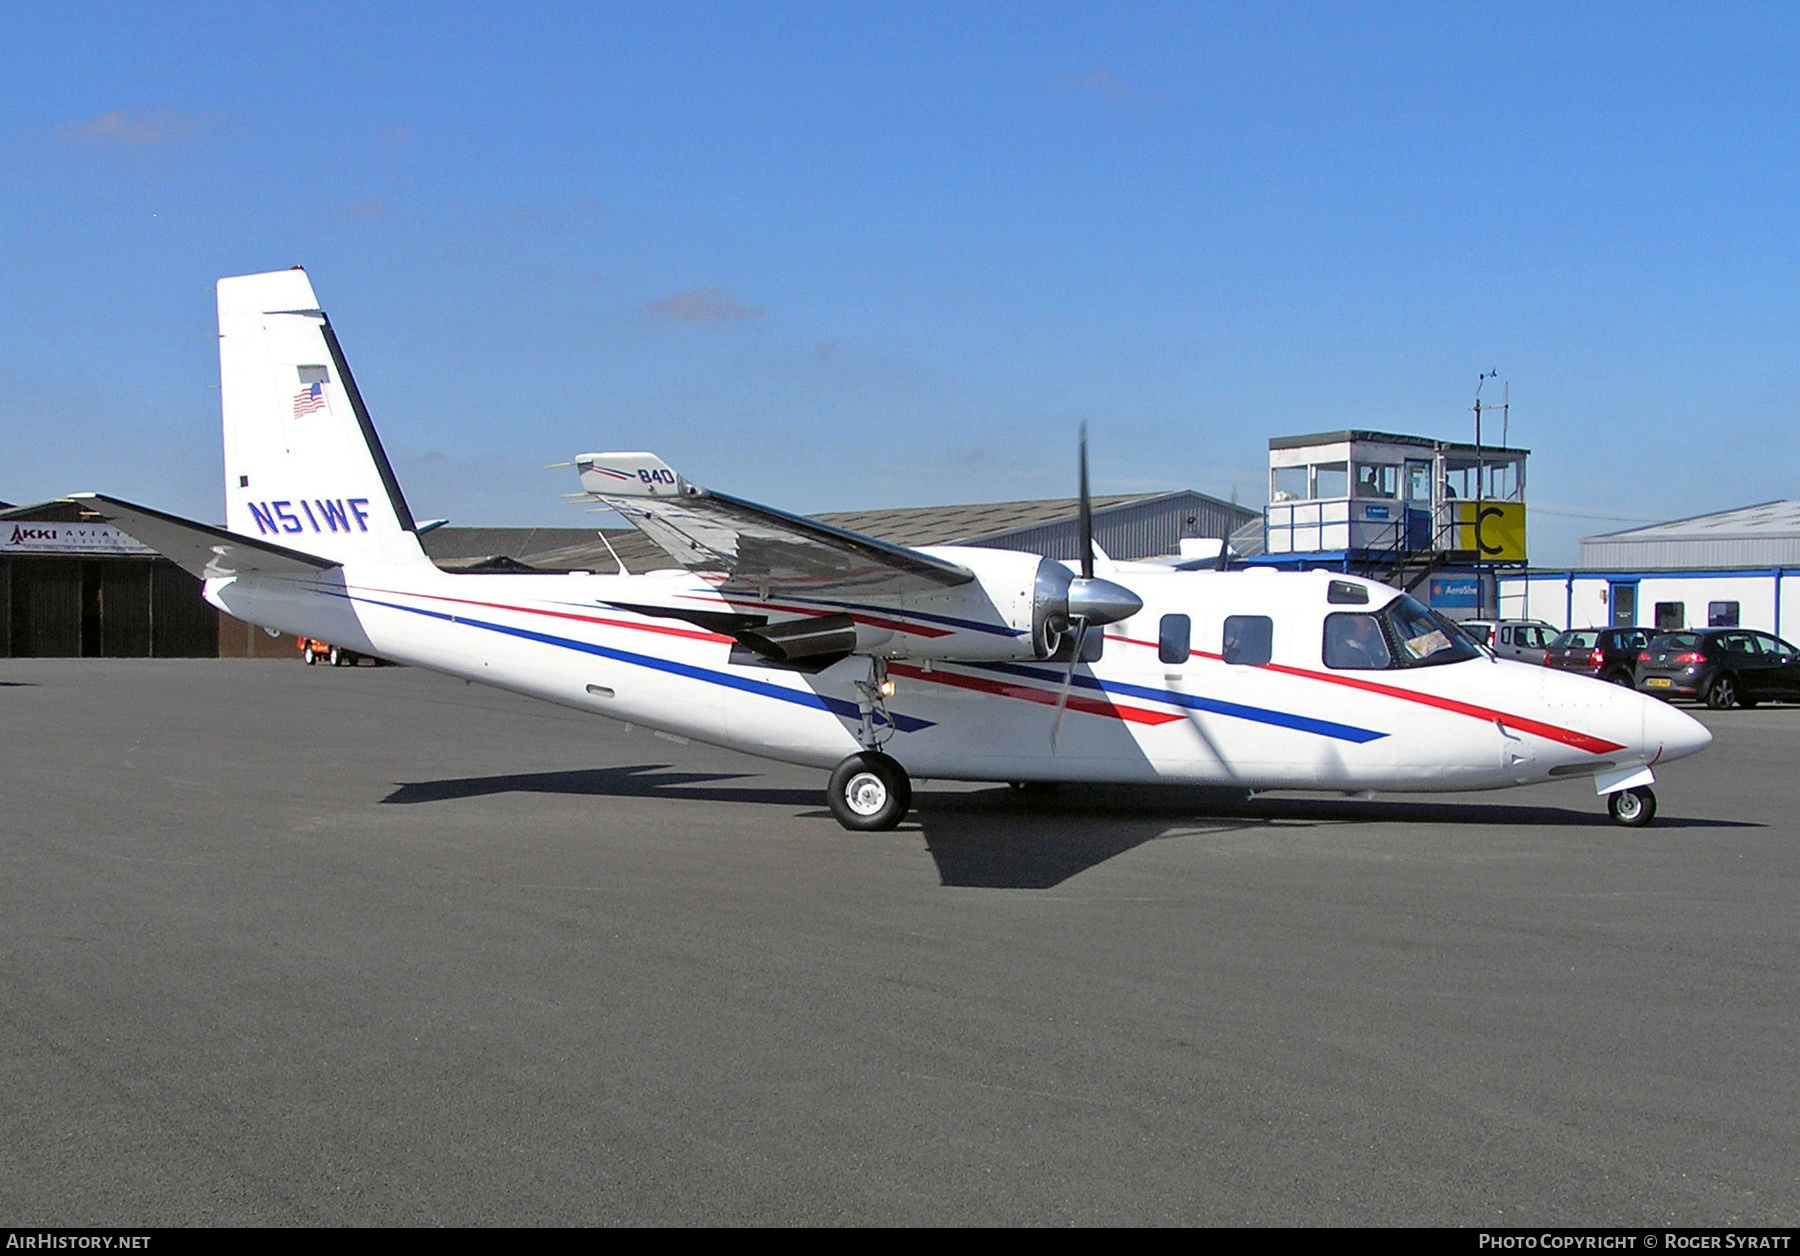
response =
{"points": [[1777, 669]]}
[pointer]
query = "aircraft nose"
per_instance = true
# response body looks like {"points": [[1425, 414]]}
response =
{"points": [[1678, 733]]}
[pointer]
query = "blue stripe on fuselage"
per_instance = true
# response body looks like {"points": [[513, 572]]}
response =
{"points": [[1194, 702], [762, 688]]}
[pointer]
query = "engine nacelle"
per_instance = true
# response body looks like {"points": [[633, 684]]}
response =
{"points": [[1019, 606]]}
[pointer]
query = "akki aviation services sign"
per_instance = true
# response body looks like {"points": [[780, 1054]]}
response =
{"points": [[95, 539]]}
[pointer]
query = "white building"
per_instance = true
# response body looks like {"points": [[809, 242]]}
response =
{"points": [[1734, 568]]}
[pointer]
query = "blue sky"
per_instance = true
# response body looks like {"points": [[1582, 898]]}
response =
{"points": [[843, 256]]}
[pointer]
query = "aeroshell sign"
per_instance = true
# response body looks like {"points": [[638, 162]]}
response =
{"points": [[67, 538], [1456, 593]]}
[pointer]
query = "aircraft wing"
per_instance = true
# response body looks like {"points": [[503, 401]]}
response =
{"points": [[755, 548], [200, 548]]}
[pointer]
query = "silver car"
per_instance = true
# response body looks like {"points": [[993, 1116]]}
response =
{"points": [[1522, 639]]}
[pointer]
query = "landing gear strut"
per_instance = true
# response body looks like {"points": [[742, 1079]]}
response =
{"points": [[869, 792], [1633, 808]]}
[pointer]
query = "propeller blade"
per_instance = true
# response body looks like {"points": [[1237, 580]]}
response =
{"points": [[1062, 699], [1087, 513]]}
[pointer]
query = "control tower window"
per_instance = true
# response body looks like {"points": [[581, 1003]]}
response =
{"points": [[1331, 479]]}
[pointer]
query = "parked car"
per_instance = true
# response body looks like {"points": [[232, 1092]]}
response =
{"points": [[1524, 639], [1609, 653], [1723, 667], [312, 650]]}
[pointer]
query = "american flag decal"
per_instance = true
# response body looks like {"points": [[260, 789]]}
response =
{"points": [[308, 400]]}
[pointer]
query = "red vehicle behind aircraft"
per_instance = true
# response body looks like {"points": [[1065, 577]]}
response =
{"points": [[312, 650]]}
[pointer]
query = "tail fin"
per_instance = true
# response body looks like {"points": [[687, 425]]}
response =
{"points": [[303, 465]]}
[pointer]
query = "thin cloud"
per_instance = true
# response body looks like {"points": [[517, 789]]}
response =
{"points": [[703, 305], [374, 207], [144, 127], [1099, 82]]}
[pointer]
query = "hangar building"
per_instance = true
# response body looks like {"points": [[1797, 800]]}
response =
{"points": [[72, 586]]}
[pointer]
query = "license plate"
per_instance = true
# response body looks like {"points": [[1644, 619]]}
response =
{"points": [[1658, 682]]}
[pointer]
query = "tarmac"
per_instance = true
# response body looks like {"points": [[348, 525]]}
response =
{"points": [[300, 946]]}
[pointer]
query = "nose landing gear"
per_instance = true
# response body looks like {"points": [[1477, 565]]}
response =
{"points": [[1633, 808]]}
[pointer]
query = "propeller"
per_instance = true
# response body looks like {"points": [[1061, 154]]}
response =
{"points": [[1089, 601]]}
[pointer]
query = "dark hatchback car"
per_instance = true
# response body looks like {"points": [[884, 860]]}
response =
{"points": [[1609, 653], [1724, 667]]}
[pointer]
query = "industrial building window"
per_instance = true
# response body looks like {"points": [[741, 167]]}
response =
{"points": [[1671, 616], [1249, 639], [1721, 614], [1172, 639], [1331, 479]]}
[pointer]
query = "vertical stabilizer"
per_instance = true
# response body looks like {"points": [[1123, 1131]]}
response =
{"points": [[303, 465]]}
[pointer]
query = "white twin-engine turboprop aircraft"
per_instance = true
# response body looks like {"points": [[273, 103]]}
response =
{"points": [[783, 637]]}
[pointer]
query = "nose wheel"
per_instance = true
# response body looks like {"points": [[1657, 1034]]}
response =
{"points": [[1633, 808], [869, 792]]}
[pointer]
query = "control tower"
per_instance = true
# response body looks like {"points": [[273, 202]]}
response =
{"points": [[1406, 510]]}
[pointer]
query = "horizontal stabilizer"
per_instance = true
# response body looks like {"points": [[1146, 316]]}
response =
{"points": [[756, 548], [200, 548]]}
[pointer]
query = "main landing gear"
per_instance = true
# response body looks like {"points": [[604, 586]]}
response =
{"points": [[1633, 808], [869, 792]]}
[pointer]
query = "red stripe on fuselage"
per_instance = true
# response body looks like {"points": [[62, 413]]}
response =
{"points": [[691, 634], [874, 621], [1008, 689], [1550, 732]]}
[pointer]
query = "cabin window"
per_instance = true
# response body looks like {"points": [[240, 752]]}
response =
{"points": [[1721, 614], [1249, 639], [1173, 637]]}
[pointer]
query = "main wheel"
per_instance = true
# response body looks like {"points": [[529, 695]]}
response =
{"points": [[1723, 694], [1633, 808], [869, 792]]}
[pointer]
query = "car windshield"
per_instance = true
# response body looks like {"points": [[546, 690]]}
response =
{"points": [[1676, 641], [1576, 640]]}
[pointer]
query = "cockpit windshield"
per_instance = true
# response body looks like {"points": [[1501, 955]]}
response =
{"points": [[1401, 634]]}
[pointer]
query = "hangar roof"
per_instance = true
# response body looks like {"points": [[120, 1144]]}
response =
{"points": [[953, 525], [1779, 518], [1764, 535], [1008, 524]]}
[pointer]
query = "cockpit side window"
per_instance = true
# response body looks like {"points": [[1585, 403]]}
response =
{"points": [[1355, 643], [1401, 634]]}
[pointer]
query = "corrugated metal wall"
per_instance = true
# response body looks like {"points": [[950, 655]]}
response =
{"points": [[183, 625], [46, 608], [1722, 553], [103, 608]]}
